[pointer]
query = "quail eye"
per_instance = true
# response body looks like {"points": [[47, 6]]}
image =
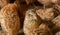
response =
{"points": [[30, 15]]}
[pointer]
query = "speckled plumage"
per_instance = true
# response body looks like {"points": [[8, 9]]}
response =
{"points": [[31, 22], [10, 21], [47, 14]]}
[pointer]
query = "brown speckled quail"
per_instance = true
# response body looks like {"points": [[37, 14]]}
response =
{"points": [[47, 14], [44, 29], [10, 21], [31, 22]]}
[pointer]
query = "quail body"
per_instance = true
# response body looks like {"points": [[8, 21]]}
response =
{"points": [[31, 22], [47, 14], [10, 21]]}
